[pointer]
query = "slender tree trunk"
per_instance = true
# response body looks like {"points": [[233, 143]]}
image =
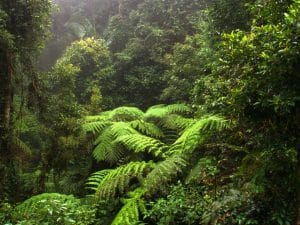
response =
{"points": [[297, 132], [298, 197], [7, 171]]}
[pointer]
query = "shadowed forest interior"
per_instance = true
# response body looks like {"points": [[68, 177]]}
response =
{"points": [[149, 112]]}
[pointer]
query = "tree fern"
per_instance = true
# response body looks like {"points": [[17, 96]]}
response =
{"points": [[161, 131]]}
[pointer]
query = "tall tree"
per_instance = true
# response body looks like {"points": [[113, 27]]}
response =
{"points": [[23, 29]]}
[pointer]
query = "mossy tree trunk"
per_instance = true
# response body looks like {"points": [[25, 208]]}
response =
{"points": [[8, 187]]}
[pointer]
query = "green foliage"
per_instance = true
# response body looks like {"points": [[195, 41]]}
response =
{"points": [[130, 127], [24, 27], [92, 61], [183, 205], [139, 36], [196, 134], [163, 173], [226, 57], [130, 212], [141, 143], [262, 69], [110, 183], [52, 208], [152, 177]]}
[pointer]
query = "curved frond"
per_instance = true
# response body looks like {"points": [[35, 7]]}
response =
{"points": [[102, 116], [95, 126], [106, 147], [116, 181], [164, 172], [126, 113], [196, 134], [146, 128], [176, 122], [178, 109], [159, 111], [130, 212], [23, 148], [142, 143]]}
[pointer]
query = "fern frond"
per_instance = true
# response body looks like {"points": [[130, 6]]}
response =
{"points": [[21, 146], [96, 178], [110, 182], [106, 147], [196, 134], [129, 213], [102, 116], [95, 126], [146, 128], [142, 143], [160, 111], [164, 172], [178, 109], [122, 128], [176, 122], [200, 170], [126, 114], [214, 123]]}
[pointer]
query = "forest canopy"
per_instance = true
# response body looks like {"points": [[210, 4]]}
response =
{"points": [[127, 112]]}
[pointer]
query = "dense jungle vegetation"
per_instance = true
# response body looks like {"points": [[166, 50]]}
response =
{"points": [[167, 112]]}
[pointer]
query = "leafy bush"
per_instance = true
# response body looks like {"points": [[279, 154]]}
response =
{"points": [[184, 205], [53, 209]]}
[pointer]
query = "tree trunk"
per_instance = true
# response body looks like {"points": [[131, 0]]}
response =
{"points": [[7, 171]]}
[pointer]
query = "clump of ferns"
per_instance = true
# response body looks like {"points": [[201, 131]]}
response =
{"points": [[131, 131]]}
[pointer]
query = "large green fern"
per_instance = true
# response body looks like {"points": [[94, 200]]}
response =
{"points": [[162, 131]]}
